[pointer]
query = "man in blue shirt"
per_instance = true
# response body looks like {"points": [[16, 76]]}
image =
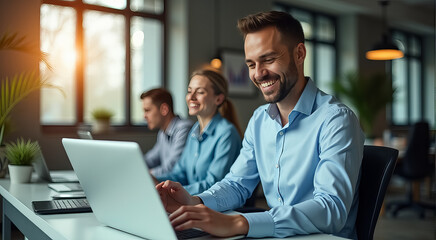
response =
{"points": [[304, 147], [173, 131]]}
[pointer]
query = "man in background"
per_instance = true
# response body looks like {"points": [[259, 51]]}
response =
{"points": [[158, 112]]}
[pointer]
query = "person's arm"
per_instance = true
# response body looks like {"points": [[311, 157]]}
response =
{"points": [[335, 183], [232, 193], [188, 212], [152, 158], [226, 151], [174, 152], [208, 220], [178, 174]]}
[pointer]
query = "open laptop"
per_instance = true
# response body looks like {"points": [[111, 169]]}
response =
{"points": [[119, 188], [85, 134], [40, 167]]}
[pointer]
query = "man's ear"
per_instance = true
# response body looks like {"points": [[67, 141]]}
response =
{"points": [[299, 53], [164, 109]]}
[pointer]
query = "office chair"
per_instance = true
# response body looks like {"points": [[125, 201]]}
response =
{"points": [[250, 203], [415, 165], [378, 164]]}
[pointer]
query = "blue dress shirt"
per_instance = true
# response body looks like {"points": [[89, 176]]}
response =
{"points": [[207, 156], [169, 146], [309, 169]]}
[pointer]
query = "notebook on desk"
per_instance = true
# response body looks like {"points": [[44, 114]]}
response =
{"points": [[119, 188]]}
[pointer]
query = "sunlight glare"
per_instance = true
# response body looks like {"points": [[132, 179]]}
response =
{"points": [[137, 39], [69, 56]]}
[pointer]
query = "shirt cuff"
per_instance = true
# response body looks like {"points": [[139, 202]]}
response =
{"points": [[260, 224], [208, 200]]}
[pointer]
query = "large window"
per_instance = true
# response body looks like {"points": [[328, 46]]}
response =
{"points": [[407, 78], [103, 54], [320, 40]]}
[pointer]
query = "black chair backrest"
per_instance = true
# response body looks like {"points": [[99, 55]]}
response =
{"points": [[415, 163], [378, 164]]}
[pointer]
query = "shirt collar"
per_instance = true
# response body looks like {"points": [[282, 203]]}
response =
{"points": [[172, 126], [304, 104], [210, 127]]}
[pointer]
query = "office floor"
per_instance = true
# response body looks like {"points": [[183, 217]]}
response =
{"points": [[406, 226]]}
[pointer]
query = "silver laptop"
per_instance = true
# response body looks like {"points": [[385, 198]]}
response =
{"points": [[40, 167], [85, 134], [118, 187]]}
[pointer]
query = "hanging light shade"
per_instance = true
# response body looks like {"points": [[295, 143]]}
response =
{"points": [[386, 49]]}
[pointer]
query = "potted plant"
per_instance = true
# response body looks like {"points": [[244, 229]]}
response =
{"points": [[367, 94], [20, 155], [16, 88], [102, 117]]}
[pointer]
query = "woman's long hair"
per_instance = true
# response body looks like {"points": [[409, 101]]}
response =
{"points": [[220, 86]]}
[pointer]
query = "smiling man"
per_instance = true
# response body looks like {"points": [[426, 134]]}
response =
{"points": [[173, 131], [304, 147]]}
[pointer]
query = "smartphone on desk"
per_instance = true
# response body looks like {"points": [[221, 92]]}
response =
{"points": [[69, 195]]}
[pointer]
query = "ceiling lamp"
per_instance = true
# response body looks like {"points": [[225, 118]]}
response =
{"points": [[386, 49]]}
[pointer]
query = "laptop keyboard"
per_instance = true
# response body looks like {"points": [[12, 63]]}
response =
{"points": [[190, 233], [71, 203]]}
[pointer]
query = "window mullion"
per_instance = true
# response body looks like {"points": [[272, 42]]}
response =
{"points": [[80, 67], [128, 90]]}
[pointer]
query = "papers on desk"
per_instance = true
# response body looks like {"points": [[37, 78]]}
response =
{"points": [[65, 187]]}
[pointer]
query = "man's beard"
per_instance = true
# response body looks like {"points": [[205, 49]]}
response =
{"points": [[286, 85]]}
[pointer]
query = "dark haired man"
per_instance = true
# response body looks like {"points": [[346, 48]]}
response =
{"points": [[304, 147], [173, 131]]}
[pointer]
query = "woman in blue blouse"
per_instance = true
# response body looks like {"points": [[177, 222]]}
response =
{"points": [[215, 139]]}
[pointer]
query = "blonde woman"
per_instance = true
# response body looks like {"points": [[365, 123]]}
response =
{"points": [[215, 139]]}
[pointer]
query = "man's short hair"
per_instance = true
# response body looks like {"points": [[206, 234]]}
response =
{"points": [[288, 26], [159, 96]]}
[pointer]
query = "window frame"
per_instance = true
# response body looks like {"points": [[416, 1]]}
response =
{"points": [[80, 7], [314, 40], [408, 59]]}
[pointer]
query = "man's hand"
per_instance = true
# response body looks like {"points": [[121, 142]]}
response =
{"points": [[208, 220], [173, 195]]}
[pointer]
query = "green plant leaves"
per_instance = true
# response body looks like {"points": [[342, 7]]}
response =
{"points": [[21, 152], [368, 95]]}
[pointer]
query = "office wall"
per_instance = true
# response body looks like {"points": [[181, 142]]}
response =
{"points": [[25, 22]]}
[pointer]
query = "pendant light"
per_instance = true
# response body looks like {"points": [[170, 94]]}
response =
{"points": [[386, 49]]}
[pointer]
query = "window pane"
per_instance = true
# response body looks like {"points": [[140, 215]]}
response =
{"points": [[308, 62], [325, 60], [58, 40], [325, 29], [400, 40], [151, 6], [146, 41], [415, 46], [105, 57], [399, 106], [117, 4], [415, 90], [306, 22]]}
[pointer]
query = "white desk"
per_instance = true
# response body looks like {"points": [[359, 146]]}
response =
{"points": [[17, 208]]}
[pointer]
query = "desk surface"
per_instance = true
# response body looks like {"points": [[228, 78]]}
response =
{"points": [[78, 226]]}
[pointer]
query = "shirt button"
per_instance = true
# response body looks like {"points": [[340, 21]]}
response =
{"points": [[281, 133], [280, 199], [277, 166], [193, 135]]}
